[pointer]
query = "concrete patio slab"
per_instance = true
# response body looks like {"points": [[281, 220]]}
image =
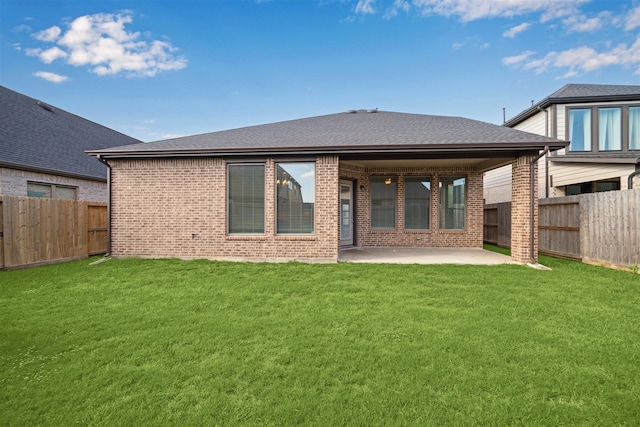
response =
{"points": [[400, 255]]}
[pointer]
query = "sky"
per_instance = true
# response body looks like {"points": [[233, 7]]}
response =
{"points": [[161, 69]]}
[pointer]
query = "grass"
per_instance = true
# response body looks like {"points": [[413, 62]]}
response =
{"points": [[168, 342]]}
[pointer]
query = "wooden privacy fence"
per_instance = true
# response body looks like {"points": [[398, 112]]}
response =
{"points": [[598, 227], [36, 231]]}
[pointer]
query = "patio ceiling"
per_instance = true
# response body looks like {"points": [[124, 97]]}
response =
{"points": [[481, 164]]}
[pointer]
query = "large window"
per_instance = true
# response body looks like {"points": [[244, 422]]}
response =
{"points": [[383, 203], [634, 128], [610, 129], [452, 202], [295, 194], [246, 199], [37, 189], [417, 202], [580, 129]]}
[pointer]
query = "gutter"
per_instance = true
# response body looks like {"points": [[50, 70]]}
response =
{"points": [[532, 184], [99, 157]]}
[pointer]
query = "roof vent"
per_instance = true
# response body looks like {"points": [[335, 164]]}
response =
{"points": [[372, 111], [351, 111], [44, 106]]}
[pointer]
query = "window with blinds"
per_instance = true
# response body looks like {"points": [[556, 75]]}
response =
{"points": [[383, 202], [417, 202], [246, 198]]}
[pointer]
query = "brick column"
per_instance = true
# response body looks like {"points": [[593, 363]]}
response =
{"points": [[521, 210]]}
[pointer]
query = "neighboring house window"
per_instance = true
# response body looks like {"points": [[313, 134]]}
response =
{"points": [[383, 203], [610, 129], [51, 191], [417, 202], [634, 128], [580, 129], [246, 198], [592, 187], [452, 202], [295, 198]]}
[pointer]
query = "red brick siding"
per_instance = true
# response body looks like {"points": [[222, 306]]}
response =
{"points": [[177, 208], [521, 210]]}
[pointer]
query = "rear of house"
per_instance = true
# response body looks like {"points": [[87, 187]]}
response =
{"points": [[302, 189]]}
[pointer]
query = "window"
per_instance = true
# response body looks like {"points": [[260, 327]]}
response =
{"points": [[580, 129], [245, 199], [417, 202], [610, 129], [592, 187], [383, 203], [295, 198], [634, 128], [51, 191], [452, 202]]}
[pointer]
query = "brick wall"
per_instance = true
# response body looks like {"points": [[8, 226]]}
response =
{"points": [[177, 208], [13, 182], [521, 211], [471, 236]]}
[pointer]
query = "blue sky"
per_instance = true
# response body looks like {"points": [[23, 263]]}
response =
{"points": [[159, 69]]}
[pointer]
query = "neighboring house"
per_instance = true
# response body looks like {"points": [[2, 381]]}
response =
{"points": [[42, 151], [301, 189], [603, 124]]}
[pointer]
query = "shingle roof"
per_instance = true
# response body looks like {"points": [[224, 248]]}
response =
{"points": [[346, 132], [37, 136], [572, 93]]}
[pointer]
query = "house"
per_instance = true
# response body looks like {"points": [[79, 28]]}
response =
{"points": [[42, 151], [302, 189], [603, 124]]}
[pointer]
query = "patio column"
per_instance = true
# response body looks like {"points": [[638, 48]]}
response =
{"points": [[521, 232]]}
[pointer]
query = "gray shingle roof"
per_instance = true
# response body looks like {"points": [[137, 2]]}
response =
{"points": [[342, 132], [571, 93], [37, 136]]}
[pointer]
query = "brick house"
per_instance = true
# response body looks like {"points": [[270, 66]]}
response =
{"points": [[42, 151], [302, 189]]}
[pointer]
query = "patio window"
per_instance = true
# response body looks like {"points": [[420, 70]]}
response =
{"points": [[417, 202], [295, 198], [452, 202], [383, 203], [246, 199]]}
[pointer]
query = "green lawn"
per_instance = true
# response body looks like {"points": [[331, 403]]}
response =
{"points": [[167, 342]]}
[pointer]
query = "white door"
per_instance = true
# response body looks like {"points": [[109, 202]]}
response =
{"points": [[346, 213]]}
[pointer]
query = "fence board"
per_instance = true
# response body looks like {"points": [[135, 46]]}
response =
{"points": [[599, 227], [38, 231]]}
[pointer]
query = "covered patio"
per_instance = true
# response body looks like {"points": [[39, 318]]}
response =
{"points": [[413, 255]]}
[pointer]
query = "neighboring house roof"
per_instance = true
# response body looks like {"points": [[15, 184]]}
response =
{"points": [[355, 133], [574, 93], [38, 137]]}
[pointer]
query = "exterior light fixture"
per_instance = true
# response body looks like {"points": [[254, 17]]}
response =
{"points": [[387, 181]]}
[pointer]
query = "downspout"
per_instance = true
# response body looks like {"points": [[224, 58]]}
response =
{"points": [[546, 158], [532, 187], [630, 179], [104, 162]]}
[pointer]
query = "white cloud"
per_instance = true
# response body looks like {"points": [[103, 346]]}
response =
{"points": [[513, 31], [470, 10], [398, 5], [582, 24], [513, 60], [52, 77], [309, 174], [50, 55], [48, 35], [22, 28], [457, 46], [365, 7], [632, 20], [102, 43], [583, 59]]}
